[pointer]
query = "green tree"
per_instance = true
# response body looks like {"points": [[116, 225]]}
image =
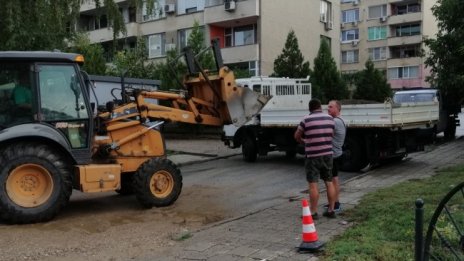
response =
{"points": [[446, 53], [49, 24], [93, 54], [132, 62], [371, 84], [290, 63], [196, 41], [327, 83], [36, 25]]}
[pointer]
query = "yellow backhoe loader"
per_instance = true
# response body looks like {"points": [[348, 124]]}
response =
{"points": [[52, 140]]}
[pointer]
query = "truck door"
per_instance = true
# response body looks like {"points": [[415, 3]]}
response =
{"points": [[62, 102]]}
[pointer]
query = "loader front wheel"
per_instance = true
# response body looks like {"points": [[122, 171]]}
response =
{"points": [[157, 182], [35, 183]]}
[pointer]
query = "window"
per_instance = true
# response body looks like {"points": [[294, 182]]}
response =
{"points": [[183, 36], [376, 33], [377, 11], [242, 35], [328, 40], [351, 56], [98, 22], [408, 30], [405, 9], [350, 35], [62, 102], [17, 98], [190, 6], [349, 16], [245, 69], [405, 51], [379, 53], [325, 11], [156, 13], [407, 72], [156, 45]]}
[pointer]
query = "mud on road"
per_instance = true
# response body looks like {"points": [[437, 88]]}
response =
{"points": [[110, 227]]}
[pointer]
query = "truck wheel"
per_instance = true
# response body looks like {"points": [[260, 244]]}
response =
{"points": [[354, 157], [249, 149], [290, 154], [127, 180], [35, 183], [450, 131], [157, 182]]}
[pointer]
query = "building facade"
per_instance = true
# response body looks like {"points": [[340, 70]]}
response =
{"points": [[389, 33], [252, 33]]}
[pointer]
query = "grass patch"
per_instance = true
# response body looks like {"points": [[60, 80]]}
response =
{"points": [[384, 220]]}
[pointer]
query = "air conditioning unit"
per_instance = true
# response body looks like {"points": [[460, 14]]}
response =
{"points": [[169, 8], [229, 5], [355, 23], [356, 2], [342, 25], [354, 43], [383, 19]]}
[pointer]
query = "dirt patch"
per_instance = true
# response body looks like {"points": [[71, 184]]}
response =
{"points": [[111, 227]]}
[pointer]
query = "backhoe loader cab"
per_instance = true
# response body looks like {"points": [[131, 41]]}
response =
{"points": [[51, 142]]}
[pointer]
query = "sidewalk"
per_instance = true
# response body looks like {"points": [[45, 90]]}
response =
{"points": [[274, 233]]}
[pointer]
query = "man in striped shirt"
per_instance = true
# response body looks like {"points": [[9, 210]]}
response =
{"points": [[316, 131]]}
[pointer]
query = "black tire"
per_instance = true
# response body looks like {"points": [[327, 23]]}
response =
{"points": [[45, 183], [127, 180], [290, 154], [249, 148], [450, 131], [157, 183], [354, 156]]}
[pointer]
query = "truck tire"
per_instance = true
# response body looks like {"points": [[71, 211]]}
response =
{"points": [[450, 131], [249, 148], [127, 180], [157, 183], [354, 156], [35, 183], [290, 154]]}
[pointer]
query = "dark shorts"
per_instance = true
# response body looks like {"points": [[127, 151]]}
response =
{"points": [[337, 162], [318, 167]]}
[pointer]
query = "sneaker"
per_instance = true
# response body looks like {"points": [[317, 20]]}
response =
{"points": [[315, 216], [338, 207], [329, 214]]}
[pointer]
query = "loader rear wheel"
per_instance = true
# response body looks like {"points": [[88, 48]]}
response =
{"points": [[157, 182], [35, 183]]}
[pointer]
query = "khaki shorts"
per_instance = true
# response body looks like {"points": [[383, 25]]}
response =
{"points": [[319, 167]]}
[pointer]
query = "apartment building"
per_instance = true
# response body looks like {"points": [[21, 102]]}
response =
{"points": [[390, 33], [252, 33]]}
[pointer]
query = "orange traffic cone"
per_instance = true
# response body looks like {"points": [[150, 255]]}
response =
{"points": [[310, 242]]}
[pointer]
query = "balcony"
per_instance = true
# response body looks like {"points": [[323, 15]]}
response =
{"points": [[106, 34], [240, 53], [405, 18], [243, 10], [399, 62], [101, 35], [90, 5], [404, 40]]}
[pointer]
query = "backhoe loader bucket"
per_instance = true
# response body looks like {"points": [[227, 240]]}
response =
{"points": [[244, 103]]}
